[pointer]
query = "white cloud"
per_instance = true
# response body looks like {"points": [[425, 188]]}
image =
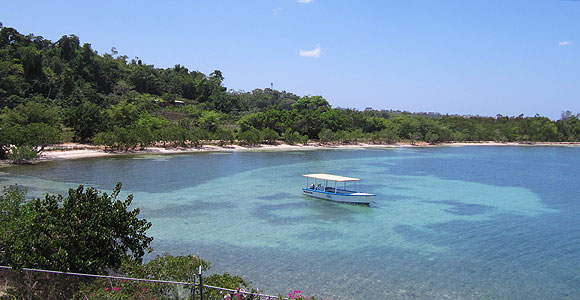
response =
{"points": [[565, 43], [310, 53], [304, 1], [276, 11]]}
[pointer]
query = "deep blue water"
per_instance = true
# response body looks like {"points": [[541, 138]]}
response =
{"points": [[447, 223]]}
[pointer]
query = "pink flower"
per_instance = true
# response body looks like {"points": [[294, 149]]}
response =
{"points": [[106, 289], [116, 288]]}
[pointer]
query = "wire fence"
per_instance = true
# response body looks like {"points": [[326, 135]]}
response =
{"points": [[28, 283]]}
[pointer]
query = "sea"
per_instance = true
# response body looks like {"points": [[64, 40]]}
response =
{"points": [[470, 222]]}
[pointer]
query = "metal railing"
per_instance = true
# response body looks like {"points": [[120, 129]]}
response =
{"points": [[197, 287]]}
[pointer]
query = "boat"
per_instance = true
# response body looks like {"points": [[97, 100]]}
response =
{"points": [[319, 187]]}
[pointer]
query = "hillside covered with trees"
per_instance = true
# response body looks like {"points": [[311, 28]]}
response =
{"points": [[55, 91]]}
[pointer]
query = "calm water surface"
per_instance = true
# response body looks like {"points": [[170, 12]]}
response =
{"points": [[447, 223]]}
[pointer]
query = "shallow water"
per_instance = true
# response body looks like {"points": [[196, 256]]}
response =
{"points": [[447, 223]]}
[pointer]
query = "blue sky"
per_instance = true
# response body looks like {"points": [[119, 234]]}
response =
{"points": [[458, 57]]}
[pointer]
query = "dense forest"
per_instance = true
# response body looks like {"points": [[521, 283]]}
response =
{"points": [[52, 92]]}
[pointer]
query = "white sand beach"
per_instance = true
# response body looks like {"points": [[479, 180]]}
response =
{"points": [[76, 151]]}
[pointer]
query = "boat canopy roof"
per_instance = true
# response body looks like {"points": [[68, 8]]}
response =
{"points": [[330, 177]]}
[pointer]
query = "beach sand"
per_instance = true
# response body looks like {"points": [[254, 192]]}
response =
{"points": [[76, 151]]}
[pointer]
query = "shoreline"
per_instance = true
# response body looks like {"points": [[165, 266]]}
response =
{"points": [[78, 151]]}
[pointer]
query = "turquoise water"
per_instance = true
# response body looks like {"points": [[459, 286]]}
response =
{"points": [[447, 223]]}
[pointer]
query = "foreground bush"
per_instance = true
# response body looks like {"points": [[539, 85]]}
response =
{"points": [[85, 232]]}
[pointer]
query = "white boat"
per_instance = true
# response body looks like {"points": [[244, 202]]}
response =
{"points": [[319, 187]]}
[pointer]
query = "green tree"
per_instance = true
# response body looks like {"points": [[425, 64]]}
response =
{"points": [[224, 102], [86, 120], [123, 114], [67, 46], [543, 130], [252, 120], [174, 135], [334, 119], [151, 122], [224, 136], [292, 137], [10, 134], [385, 136], [126, 138], [197, 136], [40, 135], [269, 136], [106, 139], [309, 110], [22, 154], [312, 103], [31, 62], [408, 127], [569, 127], [144, 136], [209, 121], [17, 140], [326, 135], [85, 232], [32, 112], [250, 137]]}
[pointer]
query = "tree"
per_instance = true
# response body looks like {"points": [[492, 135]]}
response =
{"points": [[197, 136], [309, 110], [40, 135], [569, 127], [269, 136], [123, 114], [174, 134], [316, 103], [209, 120], [408, 127], [326, 135], [12, 201], [31, 62], [22, 154], [85, 232], [143, 135], [250, 121], [68, 45], [17, 141], [224, 136], [387, 136], [216, 78], [277, 120], [250, 137], [224, 102], [292, 137], [334, 120], [86, 120], [32, 112], [106, 139], [10, 134]]}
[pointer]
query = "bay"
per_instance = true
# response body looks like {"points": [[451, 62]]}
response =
{"points": [[447, 222]]}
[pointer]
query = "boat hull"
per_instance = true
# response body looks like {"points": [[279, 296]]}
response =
{"points": [[358, 198]]}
